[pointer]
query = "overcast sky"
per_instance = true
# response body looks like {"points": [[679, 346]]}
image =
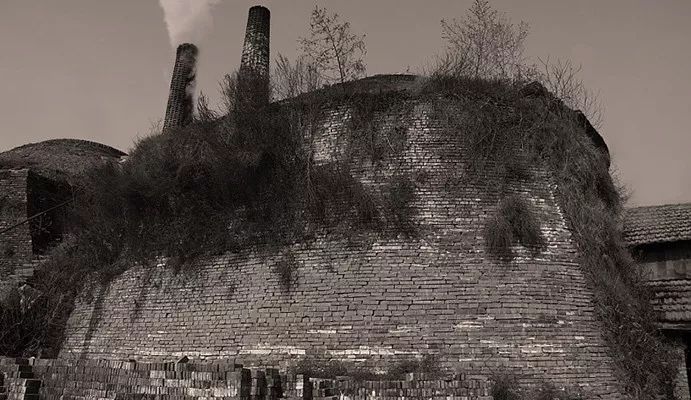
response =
{"points": [[100, 69]]}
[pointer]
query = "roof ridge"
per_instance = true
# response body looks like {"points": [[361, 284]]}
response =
{"points": [[659, 206]]}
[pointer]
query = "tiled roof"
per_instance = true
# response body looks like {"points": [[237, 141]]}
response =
{"points": [[672, 300], [657, 224]]}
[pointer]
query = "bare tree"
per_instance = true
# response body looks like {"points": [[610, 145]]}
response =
{"points": [[562, 79], [229, 91], [332, 48], [291, 79], [204, 111], [484, 44]]}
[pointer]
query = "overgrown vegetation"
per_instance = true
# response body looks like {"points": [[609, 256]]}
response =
{"points": [[219, 184], [33, 317], [503, 123], [336, 197], [514, 221], [367, 135], [332, 48], [486, 44], [223, 183]]}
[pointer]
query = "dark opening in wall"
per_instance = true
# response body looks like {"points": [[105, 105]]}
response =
{"points": [[667, 251], [48, 220]]}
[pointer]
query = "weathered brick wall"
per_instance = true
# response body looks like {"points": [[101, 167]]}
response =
{"points": [[15, 244], [383, 296]]}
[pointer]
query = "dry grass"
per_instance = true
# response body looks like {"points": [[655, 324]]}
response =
{"points": [[514, 221]]}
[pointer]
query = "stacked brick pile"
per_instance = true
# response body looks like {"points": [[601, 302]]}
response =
{"points": [[415, 386], [17, 380], [22, 379], [58, 379]]}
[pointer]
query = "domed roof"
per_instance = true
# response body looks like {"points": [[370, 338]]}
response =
{"points": [[59, 159]]}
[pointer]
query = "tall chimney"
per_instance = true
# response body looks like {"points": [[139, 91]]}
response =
{"points": [[253, 78], [180, 107]]}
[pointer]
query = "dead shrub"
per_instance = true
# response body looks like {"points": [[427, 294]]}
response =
{"points": [[365, 133], [499, 238], [505, 387], [286, 269], [335, 197], [514, 221]]}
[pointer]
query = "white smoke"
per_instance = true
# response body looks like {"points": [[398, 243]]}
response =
{"points": [[187, 20]]}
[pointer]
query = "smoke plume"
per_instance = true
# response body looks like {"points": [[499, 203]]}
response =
{"points": [[187, 20]]}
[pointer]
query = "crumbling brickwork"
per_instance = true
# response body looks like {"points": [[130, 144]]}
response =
{"points": [[15, 244], [24, 194], [382, 297]]}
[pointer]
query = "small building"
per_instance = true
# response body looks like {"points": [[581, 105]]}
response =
{"points": [[36, 182], [660, 239]]}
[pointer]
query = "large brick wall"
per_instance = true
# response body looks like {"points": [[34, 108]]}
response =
{"points": [[382, 297]]}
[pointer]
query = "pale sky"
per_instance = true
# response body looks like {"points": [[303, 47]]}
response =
{"points": [[100, 69]]}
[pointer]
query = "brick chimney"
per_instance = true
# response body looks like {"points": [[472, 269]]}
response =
{"points": [[180, 107], [253, 78]]}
